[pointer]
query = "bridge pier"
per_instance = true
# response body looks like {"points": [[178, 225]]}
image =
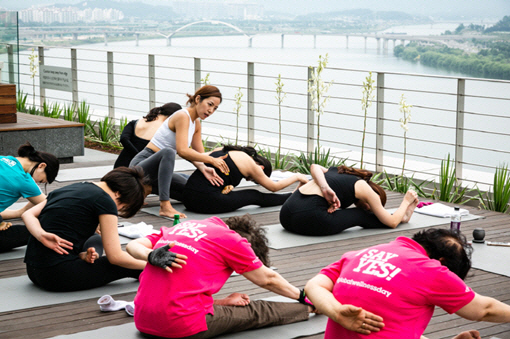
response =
{"points": [[366, 43], [250, 42], [75, 36], [378, 45], [169, 41], [314, 41], [283, 40], [403, 42], [106, 39], [137, 35], [385, 46]]}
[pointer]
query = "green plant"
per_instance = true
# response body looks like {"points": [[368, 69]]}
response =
{"points": [[399, 183], [106, 130], [237, 109], [34, 64], [303, 161], [68, 111], [21, 101], [122, 124], [406, 110], [317, 90], [366, 102], [205, 81], [497, 199], [278, 160], [280, 95], [83, 115], [449, 189]]}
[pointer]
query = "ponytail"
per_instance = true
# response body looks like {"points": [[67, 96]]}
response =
{"points": [[51, 161], [260, 160], [167, 110]]}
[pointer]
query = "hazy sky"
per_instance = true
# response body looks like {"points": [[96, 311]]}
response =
{"points": [[479, 8]]}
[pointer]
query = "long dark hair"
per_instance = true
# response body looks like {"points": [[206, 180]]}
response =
{"points": [[167, 110], [365, 175], [39, 157], [259, 159], [256, 235], [204, 92], [449, 247], [131, 185]]}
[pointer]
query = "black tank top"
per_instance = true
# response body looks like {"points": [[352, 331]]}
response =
{"points": [[198, 182], [343, 186]]}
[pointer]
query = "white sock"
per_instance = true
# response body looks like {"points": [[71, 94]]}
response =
{"points": [[130, 308], [107, 304]]}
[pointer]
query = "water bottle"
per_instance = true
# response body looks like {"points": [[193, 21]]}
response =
{"points": [[455, 219], [177, 219]]}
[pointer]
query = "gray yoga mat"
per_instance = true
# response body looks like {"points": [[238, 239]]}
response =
{"points": [[495, 259], [316, 324], [20, 293], [97, 172], [252, 209], [280, 238]]}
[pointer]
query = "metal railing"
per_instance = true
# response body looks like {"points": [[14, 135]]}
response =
{"points": [[467, 118]]}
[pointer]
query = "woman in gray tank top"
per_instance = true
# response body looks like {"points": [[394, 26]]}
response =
{"points": [[175, 136]]}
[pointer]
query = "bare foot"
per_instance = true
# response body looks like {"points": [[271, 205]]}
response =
{"points": [[5, 225], [235, 299], [409, 211], [473, 334], [90, 256], [166, 210]]}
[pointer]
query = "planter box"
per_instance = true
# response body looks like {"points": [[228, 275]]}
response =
{"points": [[7, 103]]}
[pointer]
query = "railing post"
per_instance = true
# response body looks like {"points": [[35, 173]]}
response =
{"points": [[251, 104], [10, 59], [42, 91], [74, 75], [459, 129], [152, 82], [111, 93], [379, 132], [310, 116], [198, 72]]}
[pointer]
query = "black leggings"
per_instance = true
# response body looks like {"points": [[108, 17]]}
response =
{"points": [[78, 275], [308, 215], [215, 202], [14, 236]]}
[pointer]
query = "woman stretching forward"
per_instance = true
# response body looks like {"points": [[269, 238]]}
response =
{"points": [[200, 195], [175, 136], [320, 207]]}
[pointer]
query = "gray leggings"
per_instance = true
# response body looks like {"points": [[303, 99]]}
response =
{"points": [[159, 166]]}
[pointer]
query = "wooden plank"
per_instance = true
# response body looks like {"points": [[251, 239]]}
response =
{"points": [[8, 118], [35, 122], [7, 89]]}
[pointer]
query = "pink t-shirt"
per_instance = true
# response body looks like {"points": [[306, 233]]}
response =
{"points": [[399, 282], [174, 304]]}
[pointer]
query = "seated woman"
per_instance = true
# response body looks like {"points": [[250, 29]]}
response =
{"points": [[321, 206], [137, 133], [18, 178], [181, 304], [64, 252], [175, 136], [200, 195]]}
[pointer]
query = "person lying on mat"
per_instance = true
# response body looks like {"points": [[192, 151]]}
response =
{"points": [[137, 133], [175, 136], [202, 196], [18, 178], [321, 206], [64, 252], [180, 305], [412, 276]]}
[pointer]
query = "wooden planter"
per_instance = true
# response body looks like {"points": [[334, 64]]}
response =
{"points": [[7, 103]]}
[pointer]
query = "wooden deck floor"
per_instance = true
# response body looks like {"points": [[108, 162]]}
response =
{"points": [[296, 264]]}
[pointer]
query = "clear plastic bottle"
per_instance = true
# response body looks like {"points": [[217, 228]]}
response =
{"points": [[177, 219], [455, 219]]}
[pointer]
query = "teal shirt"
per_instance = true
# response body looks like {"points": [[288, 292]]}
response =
{"points": [[15, 182]]}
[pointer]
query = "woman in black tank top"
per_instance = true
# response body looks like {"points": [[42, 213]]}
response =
{"points": [[321, 206], [200, 195]]}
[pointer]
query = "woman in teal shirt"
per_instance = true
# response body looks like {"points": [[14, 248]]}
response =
{"points": [[18, 178]]}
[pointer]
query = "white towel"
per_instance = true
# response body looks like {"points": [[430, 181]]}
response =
{"points": [[139, 230], [439, 210]]}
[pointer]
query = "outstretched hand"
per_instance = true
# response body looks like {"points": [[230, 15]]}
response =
{"points": [[213, 177], [358, 320], [56, 243], [220, 164], [165, 259]]}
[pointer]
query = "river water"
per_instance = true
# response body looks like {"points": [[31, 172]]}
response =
{"points": [[225, 58]]}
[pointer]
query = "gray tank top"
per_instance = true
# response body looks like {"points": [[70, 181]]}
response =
{"points": [[165, 137]]}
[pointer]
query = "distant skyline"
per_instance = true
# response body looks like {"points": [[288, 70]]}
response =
{"points": [[490, 9]]}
